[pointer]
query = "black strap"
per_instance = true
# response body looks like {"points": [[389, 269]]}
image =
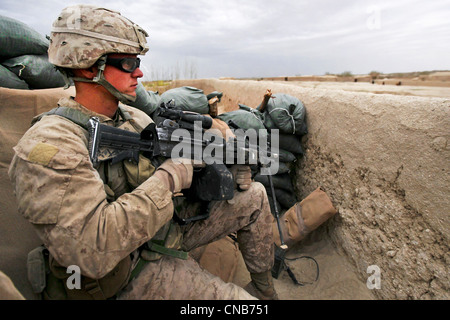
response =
{"points": [[291, 274], [204, 207]]}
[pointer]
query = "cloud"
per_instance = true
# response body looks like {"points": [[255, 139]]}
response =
{"points": [[271, 38]]}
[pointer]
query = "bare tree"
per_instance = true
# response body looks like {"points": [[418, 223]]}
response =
{"points": [[187, 71]]}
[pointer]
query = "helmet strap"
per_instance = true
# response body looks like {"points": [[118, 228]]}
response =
{"points": [[100, 79], [66, 77]]}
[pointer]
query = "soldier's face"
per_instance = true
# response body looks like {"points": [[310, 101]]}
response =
{"points": [[125, 82]]}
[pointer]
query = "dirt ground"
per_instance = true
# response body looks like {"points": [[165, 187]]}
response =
{"points": [[337, 278]]}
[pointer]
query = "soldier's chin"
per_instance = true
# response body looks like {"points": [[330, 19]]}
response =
{"points": [[131, 93]]}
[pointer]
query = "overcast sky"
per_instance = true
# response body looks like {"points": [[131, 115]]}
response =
{"points": [[262, 38]]}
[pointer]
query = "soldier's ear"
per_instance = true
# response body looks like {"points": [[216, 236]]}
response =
{"points": [[88, 73]]}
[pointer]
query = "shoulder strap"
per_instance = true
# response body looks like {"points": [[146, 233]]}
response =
{"points": [[127, 117], [80, 118], [76, 116], [124, 113]]}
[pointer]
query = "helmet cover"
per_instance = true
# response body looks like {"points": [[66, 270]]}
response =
{"points": [[83, 33]]}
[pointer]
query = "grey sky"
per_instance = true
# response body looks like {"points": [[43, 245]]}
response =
{"points": [[231, 38]]}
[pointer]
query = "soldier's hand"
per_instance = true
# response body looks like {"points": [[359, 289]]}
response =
{"points": [[242, 176], [221, 129], [176, 174]]}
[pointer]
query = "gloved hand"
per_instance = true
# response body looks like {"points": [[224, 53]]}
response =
{"points": [[175, 174], [242, 176]]}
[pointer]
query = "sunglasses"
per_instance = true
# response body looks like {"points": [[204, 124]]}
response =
{"points": [[124, 64]]}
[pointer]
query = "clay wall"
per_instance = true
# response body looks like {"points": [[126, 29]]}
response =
{"points": [[384, 161]]}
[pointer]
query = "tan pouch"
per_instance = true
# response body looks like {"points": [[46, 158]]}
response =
{"points": [[304, 217], [316, 208]]}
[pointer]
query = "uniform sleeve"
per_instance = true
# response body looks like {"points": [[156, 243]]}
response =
{"points": [[62, 195]]}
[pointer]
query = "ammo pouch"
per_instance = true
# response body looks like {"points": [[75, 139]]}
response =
{"points": [[304, 217], [37, 268]]}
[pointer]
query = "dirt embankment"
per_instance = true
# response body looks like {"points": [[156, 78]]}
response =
{"points": [[383, 159], [429, 79]]}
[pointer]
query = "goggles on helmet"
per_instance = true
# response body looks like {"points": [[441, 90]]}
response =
{"points": [[124, 64]]}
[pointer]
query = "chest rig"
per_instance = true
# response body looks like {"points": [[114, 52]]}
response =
{"points": [[121, 177]]}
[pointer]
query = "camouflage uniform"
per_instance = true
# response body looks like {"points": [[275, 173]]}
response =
{"points": [[100, 219], [248, 214], [66, 200]]}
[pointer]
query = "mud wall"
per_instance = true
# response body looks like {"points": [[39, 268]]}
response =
{"points": [[384, 161]]}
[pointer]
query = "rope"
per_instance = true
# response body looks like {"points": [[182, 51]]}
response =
{"points": [[291, 116]]}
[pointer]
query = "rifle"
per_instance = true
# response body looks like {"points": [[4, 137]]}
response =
{"points": [[177, 130]]}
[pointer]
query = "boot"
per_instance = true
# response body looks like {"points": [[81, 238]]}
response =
{"points": [[262, 286]]}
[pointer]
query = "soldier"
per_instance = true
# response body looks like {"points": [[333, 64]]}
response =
{"points": [[114, 221]]}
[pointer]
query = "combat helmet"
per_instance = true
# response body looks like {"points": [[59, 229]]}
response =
{"points": [[83, 35]]}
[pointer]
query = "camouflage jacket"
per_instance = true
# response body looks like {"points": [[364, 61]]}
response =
{"points": [[83, 218]]}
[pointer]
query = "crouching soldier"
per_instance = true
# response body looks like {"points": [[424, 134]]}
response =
{"points": [[114, 220]]}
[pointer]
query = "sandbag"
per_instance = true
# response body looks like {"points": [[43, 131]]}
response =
{"points": [[286, 113], [286, 156], [10, 80], [154, 100], [280, 181], [36, 71], [283, 167], [215, 94], [187, 99], [16, 39], [146, 101], [285, 198], [245, 118], [291, 143]]}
